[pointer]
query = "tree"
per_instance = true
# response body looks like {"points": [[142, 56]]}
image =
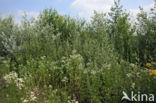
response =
{"points": [[146, 31], [120, 30]]}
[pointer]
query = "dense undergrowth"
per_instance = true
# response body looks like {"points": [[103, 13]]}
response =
{"points": [[59, 59]]}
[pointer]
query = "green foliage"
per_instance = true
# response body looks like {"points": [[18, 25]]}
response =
{"points": [[146, 35], [56, 58], [121, 31]]}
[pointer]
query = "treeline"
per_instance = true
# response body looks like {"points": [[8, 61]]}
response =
{"points": [[54, 35]]}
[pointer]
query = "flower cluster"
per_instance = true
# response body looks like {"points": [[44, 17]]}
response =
{"points": [[71, 101], [148, 64], [30, 98], [13, 77]]}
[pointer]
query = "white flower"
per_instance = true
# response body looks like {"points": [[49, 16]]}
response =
{"points": [[19, 85], [65, 79], [20, 80], [13, 77], [50, 86], [32, 96], [93, 72], [129, 75], [25, 101], [43, 57], [133, 65]]}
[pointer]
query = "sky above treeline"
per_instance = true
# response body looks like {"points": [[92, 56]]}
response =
{"points": [[74, 8]]}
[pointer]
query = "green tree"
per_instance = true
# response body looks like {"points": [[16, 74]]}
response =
{"points": [[146, 31], [120, 30]]}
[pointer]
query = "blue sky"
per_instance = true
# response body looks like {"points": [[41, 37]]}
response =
{"points": [[81, 8]]}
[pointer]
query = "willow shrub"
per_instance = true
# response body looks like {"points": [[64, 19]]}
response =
{"points": [[63, 59]]}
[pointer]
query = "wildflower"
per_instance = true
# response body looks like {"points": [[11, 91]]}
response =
{"points": [[65, 79], [50, 86], [129, 75], [25, 101], [133, 65], [93, 72], [32, 96], [43, 57], [148, 64], [13, 77], [152, 72], [19, 85]]}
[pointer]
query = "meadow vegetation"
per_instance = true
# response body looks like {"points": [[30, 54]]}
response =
{"points": [[59, 59]]}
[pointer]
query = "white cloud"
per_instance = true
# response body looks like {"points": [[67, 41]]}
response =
{"points": [[146, 8], [86, 7], [134, 12], [17, 20], [28, 13]]}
